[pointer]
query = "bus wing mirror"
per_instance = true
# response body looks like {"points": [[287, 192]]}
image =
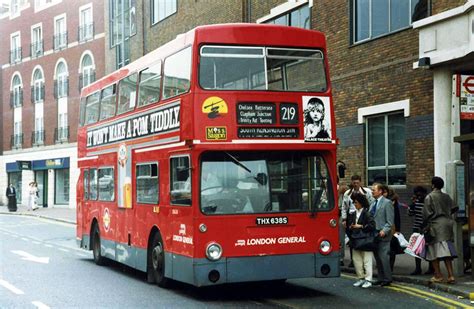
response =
{"points": [[262, 179]]}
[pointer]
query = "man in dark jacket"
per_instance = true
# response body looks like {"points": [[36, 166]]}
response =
{"points": [[11, 195]]}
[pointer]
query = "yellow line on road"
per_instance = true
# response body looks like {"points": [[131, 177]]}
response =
{"points": [[425, 293], [401, 290], [422, 294]]}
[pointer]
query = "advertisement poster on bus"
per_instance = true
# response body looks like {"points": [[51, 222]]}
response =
{"points": [[317, 119], [466, 94]]}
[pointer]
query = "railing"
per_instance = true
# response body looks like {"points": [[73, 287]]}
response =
{"points": [[37, 49], [61, 134], [15, 55], [37, 138], [16, 141], [60, 41], [85, 33]]}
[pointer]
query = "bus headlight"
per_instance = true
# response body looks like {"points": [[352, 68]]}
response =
{"points": [[213, 251], [325, 247]]}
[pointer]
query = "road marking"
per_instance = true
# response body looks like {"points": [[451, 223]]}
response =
{"points": [[10, 287], [40, 305], [64, 250], [444, 301], [48, 245], [401, 290], [25, 239], [29, 257], [36, 242]]}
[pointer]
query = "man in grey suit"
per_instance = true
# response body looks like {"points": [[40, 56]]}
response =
{"points": [[383, 213]]}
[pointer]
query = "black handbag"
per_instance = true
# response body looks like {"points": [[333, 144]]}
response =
{"points": [[364, 241]]}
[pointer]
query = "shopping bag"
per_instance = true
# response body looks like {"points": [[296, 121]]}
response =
{"points": [[416, 242], [401, 240]]}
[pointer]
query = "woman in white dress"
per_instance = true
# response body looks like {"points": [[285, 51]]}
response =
{"points": [[33, 197]]}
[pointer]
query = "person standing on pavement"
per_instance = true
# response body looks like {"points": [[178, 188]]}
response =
{"points": [[394, 244], [348, 206], [33, 196], [416, 211], [382, 211], [437, 213], [361, 219], [11, 195]]}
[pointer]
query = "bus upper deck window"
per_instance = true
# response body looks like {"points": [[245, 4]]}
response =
{"points": [[177, 72], [150, 85], [127, 94], [92, 108], [107, 103]]}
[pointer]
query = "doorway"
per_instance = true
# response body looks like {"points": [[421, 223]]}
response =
{"points": [[41, 178]]}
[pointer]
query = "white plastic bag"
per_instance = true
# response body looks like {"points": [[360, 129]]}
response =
{"points": [[401, 240]]}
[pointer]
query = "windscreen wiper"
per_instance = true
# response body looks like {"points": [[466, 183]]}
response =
{"points": [[234, 159]]}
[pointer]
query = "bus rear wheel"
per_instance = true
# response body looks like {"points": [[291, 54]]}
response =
{"points": [[98, 258], [156, 260]]}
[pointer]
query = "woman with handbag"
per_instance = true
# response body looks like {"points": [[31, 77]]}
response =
{"points": [[362, 226], [439, 232]]}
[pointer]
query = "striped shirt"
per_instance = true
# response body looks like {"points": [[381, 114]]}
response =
{"points": [[416, 210]]}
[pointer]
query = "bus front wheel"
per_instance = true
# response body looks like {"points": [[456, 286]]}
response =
{"points": [[98, 258], [156, 260]]}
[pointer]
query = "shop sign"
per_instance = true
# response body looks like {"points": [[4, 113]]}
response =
{"points": [[24, 165]]}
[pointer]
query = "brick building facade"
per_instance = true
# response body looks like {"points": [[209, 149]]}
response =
{"points": [[51, 49]]}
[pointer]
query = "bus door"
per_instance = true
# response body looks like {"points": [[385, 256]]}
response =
{"points": [[181, 212], [125, 211]]}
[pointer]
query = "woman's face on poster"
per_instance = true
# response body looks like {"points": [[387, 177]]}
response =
{"points": [[316, 112]]}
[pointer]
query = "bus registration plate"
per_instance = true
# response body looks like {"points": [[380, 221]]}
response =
{"points": [[271, 220]]}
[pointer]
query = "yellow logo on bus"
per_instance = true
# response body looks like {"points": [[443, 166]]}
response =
{"points": [[214, 107], [216, 133]]}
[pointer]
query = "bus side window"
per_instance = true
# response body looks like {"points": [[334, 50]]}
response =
{"points": [[127, 94], [86, 184], [93, 184], [107, 103], [147, 183], [82, 112], [180, 181], [106, 184], [92, 108], [150, 85], [177, 72]]}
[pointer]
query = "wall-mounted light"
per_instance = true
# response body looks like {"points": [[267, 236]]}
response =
{"points": [[424, 63]]}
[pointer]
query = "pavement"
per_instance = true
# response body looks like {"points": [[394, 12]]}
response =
{"points": [[404, 264]]}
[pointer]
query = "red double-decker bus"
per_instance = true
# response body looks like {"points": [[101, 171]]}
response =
{"points": [[212, 159]]}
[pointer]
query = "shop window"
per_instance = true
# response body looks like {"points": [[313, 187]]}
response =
{"points": [[16, 179], [61, 187]]}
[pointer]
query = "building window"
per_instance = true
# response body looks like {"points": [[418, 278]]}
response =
{"points": [[374, 18], [62, 83], [17, 138], [147, 183], [122, 25], [61, 187], [87, 75], [386, 149], [36, 42], [60, 33], [15, 51], [16, 95], [37, 89], [37, 137], [160, 9], [15, 7], [62, 134], [86, 26], [299, 17]]}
